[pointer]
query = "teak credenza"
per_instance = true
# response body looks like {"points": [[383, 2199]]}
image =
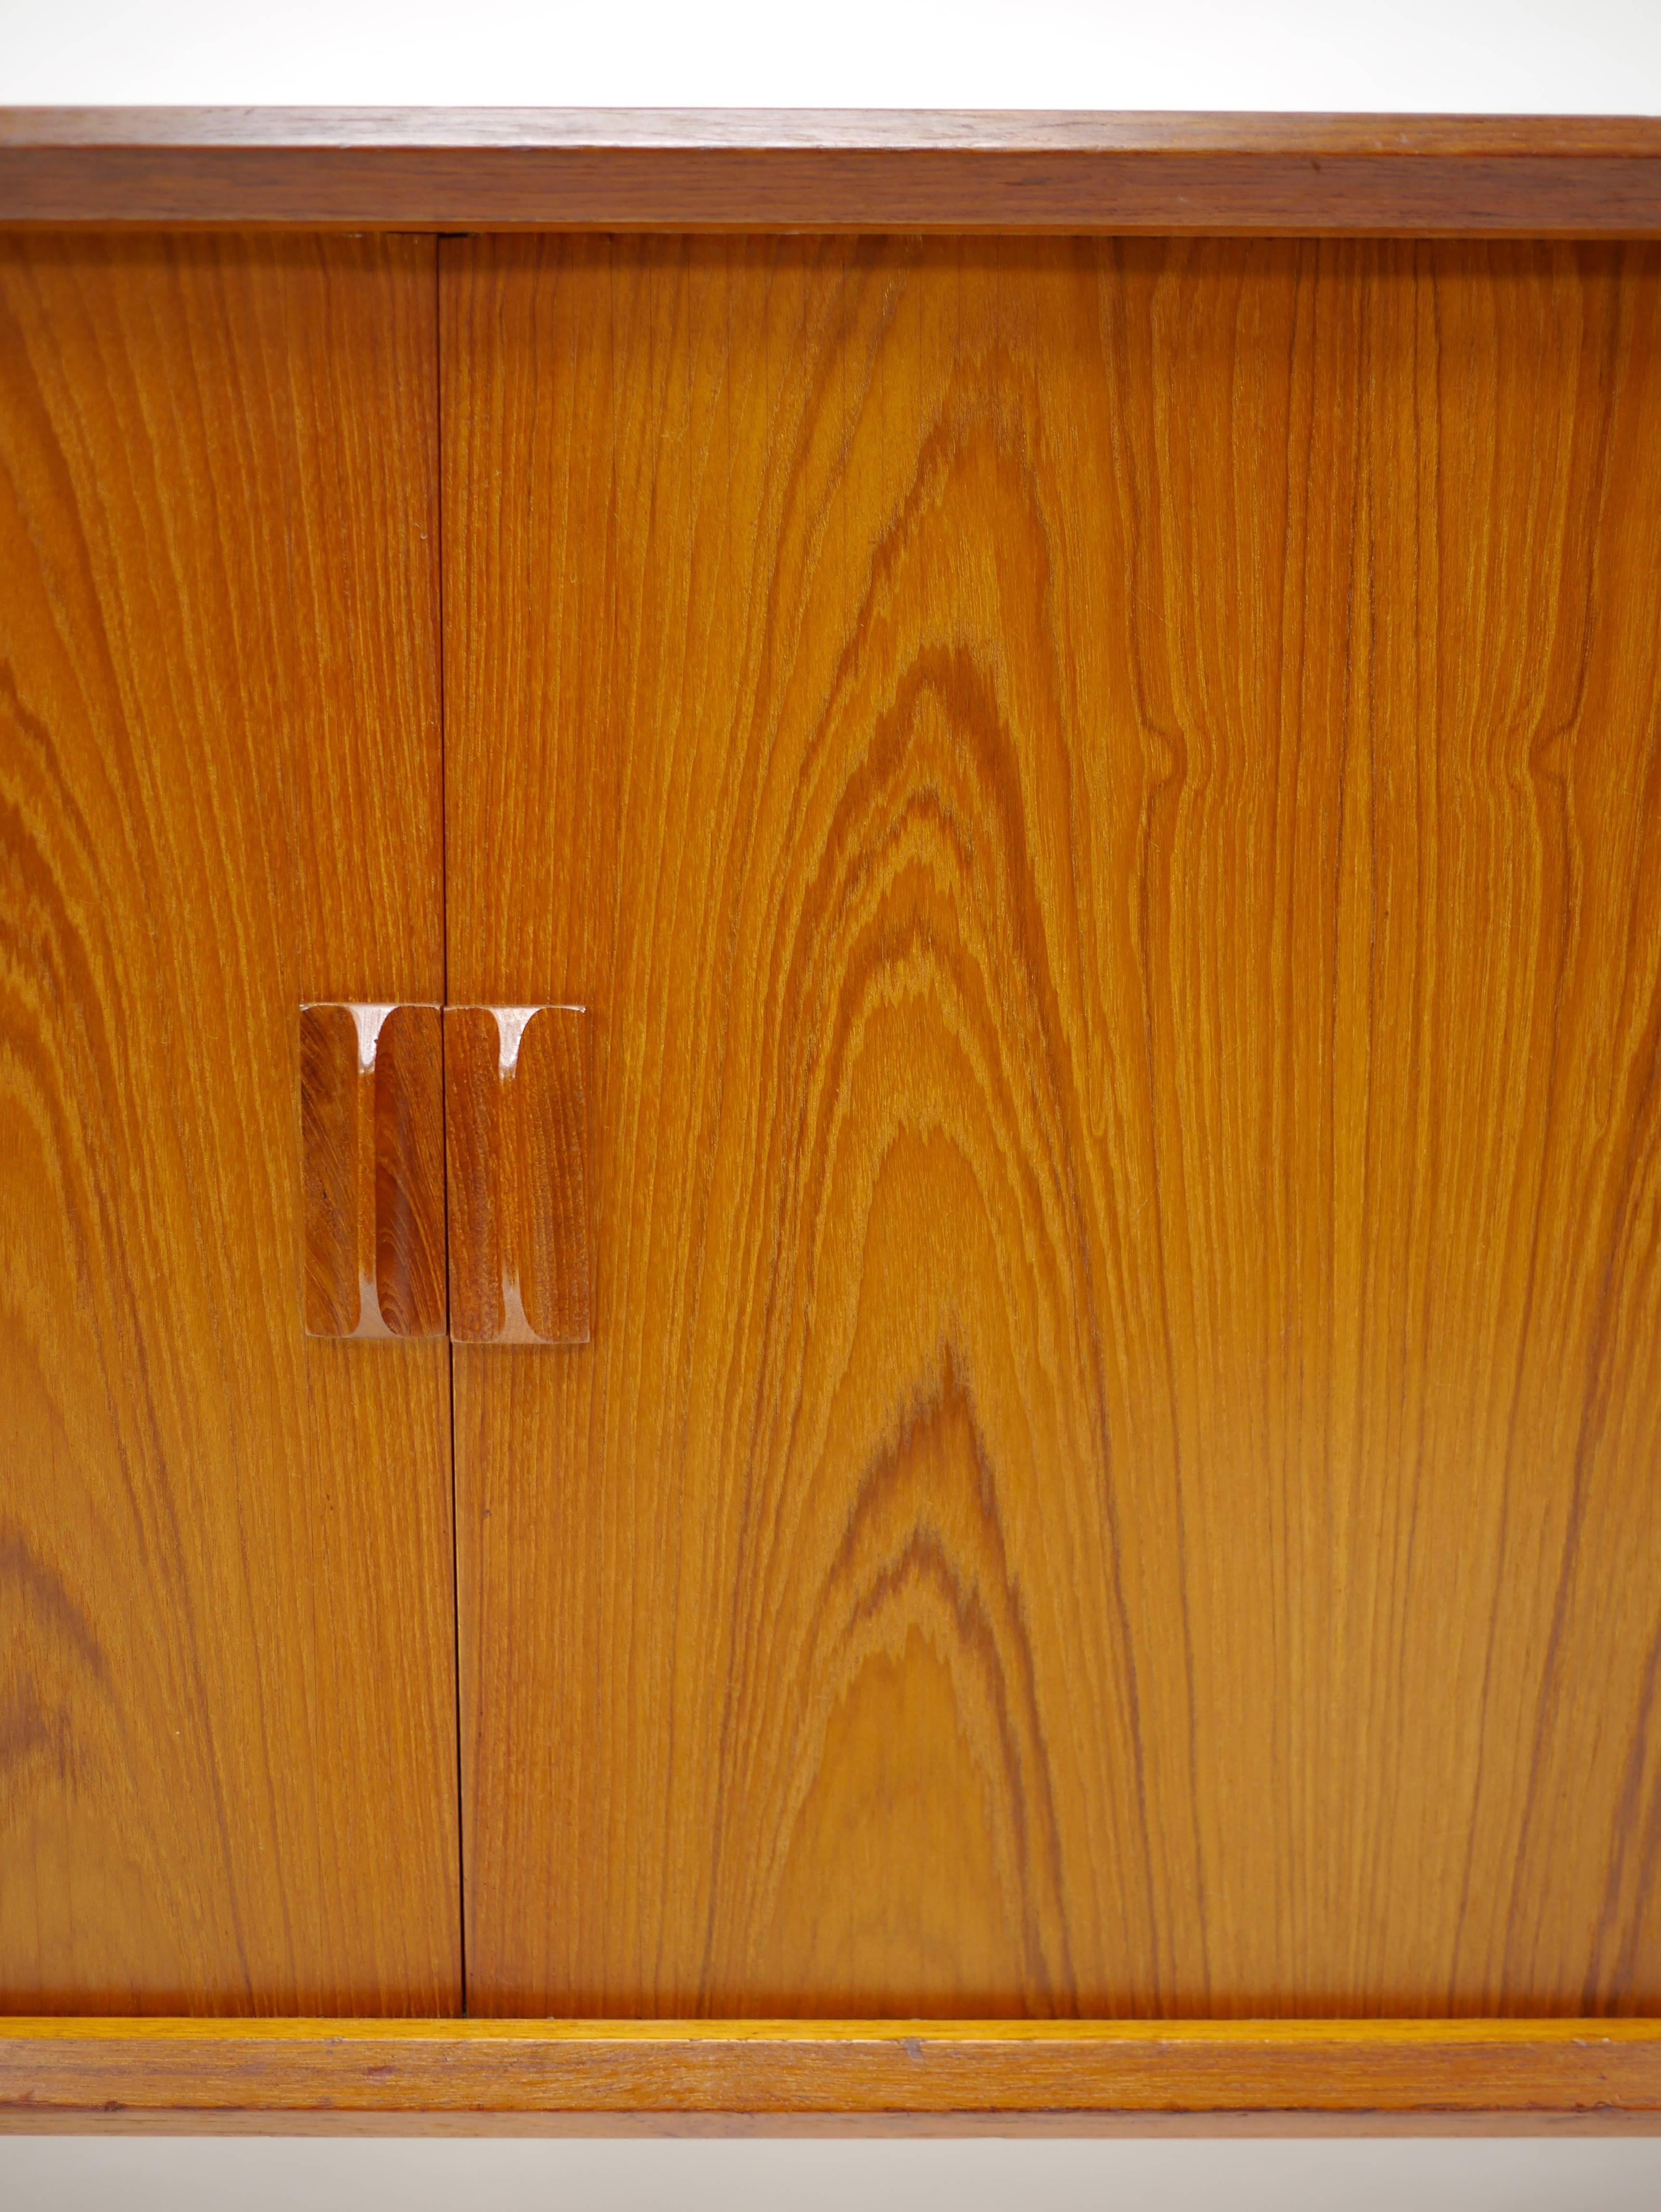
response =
{"points": [[829, 1122]]}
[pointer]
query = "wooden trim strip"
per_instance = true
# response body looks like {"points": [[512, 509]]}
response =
{"points": [[619, 169], [875, 2069]]}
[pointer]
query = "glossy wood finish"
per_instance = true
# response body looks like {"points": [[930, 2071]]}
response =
{"points": [[1607, 2072], [227, 1704], [756, 169], [1105, 801], [372, 1166], [516, 1084]]}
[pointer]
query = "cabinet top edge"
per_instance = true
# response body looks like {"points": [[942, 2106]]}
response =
{"points": [[872, 130], [830, 169]]}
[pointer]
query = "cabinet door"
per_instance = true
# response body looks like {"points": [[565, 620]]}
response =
{"points": [[227, 1716], [1103, 800]]}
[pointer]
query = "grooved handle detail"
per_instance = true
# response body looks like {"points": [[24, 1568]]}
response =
{"points": [[372, 1145], [516, 1099]]}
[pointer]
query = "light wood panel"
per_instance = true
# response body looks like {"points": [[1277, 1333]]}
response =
{"points": [[663, 2075], [227, 1772], [1105, 801]]}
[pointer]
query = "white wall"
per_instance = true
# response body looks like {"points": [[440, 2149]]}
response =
{"points": [[1462, 56], [80, 2174]]}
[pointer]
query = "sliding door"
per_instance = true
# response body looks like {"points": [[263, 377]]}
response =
{"points": [[1103, 804], [227, 1709]]}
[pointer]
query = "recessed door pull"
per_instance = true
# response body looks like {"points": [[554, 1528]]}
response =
{"points": [[515, 1083], [394, 1100], [372, 1153]]}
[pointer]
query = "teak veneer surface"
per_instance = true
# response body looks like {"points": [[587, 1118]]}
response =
{"points": [[227, 1745], [1104, 802], [831, 169]]}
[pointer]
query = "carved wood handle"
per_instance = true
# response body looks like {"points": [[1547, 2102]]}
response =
{"points": [[516, 1097], [372, 1145]]}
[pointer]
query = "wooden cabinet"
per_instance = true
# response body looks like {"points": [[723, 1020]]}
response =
{"points": [[1099, 799]]}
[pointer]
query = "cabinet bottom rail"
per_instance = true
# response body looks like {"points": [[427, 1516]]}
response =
{"points": [[858, 2076]]}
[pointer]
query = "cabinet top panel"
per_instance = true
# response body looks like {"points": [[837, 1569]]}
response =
{"points": [[829, 170]]}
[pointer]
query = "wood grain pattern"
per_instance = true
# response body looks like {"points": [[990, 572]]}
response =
{"points": [[372, 1161], [760, 169], [227, 1764], [1104, 801], [518, 1144], [1488, 2070]]}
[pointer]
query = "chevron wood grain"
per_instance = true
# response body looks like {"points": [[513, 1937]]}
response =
{"points": [[1104, 801]]}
